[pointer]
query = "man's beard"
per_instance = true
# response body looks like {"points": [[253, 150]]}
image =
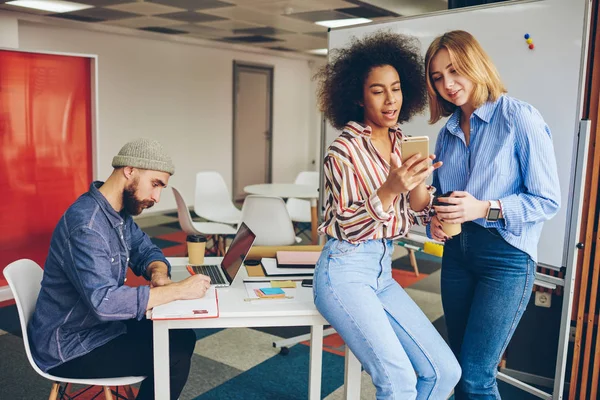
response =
{"points": [[131, 204]]}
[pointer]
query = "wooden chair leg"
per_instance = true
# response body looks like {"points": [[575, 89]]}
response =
{"points": [[108, 393], [413, 261], [54, 391], [129, 392]]}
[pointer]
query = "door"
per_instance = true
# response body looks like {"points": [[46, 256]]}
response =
{"points": [[252, 126]]}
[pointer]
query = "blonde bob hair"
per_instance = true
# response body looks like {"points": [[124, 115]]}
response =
{"points": [[469, 60]]}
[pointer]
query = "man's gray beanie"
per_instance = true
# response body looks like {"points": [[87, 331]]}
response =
{"points": [[144, 154]]}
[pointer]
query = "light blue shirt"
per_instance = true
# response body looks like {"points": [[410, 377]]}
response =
{"points": [[510, 158]]}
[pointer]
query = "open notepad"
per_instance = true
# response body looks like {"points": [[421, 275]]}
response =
{"points": [[206, 307]]}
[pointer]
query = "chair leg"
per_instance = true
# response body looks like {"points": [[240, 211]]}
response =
{"points": [[413, 261], [54, 391], [129, 392], [108, 393], [222, 245]]}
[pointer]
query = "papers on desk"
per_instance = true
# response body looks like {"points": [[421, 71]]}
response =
{"points": [[271, 269], [206, 307]]}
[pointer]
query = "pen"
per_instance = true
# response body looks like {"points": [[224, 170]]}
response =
{"points": [[190, 270], [267, 298]]}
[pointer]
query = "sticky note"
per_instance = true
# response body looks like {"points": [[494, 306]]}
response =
{"points": [[283, 284], [272, 291]]}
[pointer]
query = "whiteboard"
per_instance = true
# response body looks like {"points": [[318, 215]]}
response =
{"points": [[548, 77]]}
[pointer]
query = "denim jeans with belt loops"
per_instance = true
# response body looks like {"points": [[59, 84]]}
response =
{"points": [[486, 286], [389, 334]]}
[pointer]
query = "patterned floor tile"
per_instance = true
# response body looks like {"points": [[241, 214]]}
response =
{"points": [[430, 303], [162, 243], [285, 332], [367, 389], [18, 380], [429, 284], [146, 221], [9, 320], [240, 348], [206, 374], [159, 230], [279, 378], [427, 264]]}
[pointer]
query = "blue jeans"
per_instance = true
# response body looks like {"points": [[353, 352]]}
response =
{"points": [[389, 334], [486, 285]]}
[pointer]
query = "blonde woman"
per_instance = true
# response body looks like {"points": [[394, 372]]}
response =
{"points": [[500, 166]]}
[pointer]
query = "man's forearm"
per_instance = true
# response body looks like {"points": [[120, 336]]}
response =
{"points": [[161, 295]]}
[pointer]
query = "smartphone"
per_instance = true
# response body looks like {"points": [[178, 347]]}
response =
{"points": [[307, 282], [411, 145]]}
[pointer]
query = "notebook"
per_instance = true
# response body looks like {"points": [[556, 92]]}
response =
{"points": [[206, 307], [297, 259], [272, 270]]}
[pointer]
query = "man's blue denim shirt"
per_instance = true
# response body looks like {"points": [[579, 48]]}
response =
{"points": [[83, 301]]}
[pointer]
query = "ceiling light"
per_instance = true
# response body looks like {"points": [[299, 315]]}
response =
{"points": [[56, 6], [319, 52], [336, 23]]}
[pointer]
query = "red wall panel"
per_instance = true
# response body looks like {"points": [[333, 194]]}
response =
{"points": [[45, 147]]}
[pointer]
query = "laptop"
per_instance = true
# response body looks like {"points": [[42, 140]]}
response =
{"points": [[223, 275]]}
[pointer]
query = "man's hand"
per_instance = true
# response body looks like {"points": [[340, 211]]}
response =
{"points": [[193, 287]]}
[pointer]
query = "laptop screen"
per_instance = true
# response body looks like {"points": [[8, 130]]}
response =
{"points": [[238, 250]]}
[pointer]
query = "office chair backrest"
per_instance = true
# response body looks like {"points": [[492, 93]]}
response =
{"points": [[183, 214], [269, 219], [213, 200], [24, 278], [308, 178]]}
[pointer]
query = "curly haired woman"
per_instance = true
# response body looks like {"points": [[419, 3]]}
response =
{"points": [[371, 198]]}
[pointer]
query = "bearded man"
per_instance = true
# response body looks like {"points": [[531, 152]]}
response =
{"points": [[87, 323]]}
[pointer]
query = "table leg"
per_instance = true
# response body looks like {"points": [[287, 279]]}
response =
{"points": [[352, 375], [316, 362], [314, 222], [161, 359]]}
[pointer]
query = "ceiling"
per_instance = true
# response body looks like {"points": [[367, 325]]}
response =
{"points": [[284, 25]]}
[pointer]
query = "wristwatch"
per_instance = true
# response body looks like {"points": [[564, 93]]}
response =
{"points": [[493, 213]]}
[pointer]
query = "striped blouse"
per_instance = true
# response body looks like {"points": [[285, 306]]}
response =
{"points": [[354, 171]]}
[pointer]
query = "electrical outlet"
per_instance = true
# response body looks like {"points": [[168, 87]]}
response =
{"points": [[543, 299]]}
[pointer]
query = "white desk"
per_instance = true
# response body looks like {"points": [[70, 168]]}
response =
{"points": [[288, 190], [237, 313]]}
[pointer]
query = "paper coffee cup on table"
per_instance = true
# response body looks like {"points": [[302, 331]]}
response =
{"points": [[196, 245]]}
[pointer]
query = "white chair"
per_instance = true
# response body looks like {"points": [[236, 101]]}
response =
{"points": [[212, 230], [299, 209], [269, 220], [24, 278], [213, 201]]}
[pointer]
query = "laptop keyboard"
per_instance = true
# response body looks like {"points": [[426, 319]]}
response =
{"points": [[213, 271]]}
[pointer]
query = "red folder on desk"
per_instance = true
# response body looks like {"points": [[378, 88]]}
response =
{"points": [[206, 307], [297, 259]]}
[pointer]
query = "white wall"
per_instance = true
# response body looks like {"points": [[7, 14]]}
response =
{"points": [[181, 95], [9, 32]]}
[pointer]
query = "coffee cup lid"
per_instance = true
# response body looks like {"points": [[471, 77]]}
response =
{"points": [[251, 262], [196, 238]]}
